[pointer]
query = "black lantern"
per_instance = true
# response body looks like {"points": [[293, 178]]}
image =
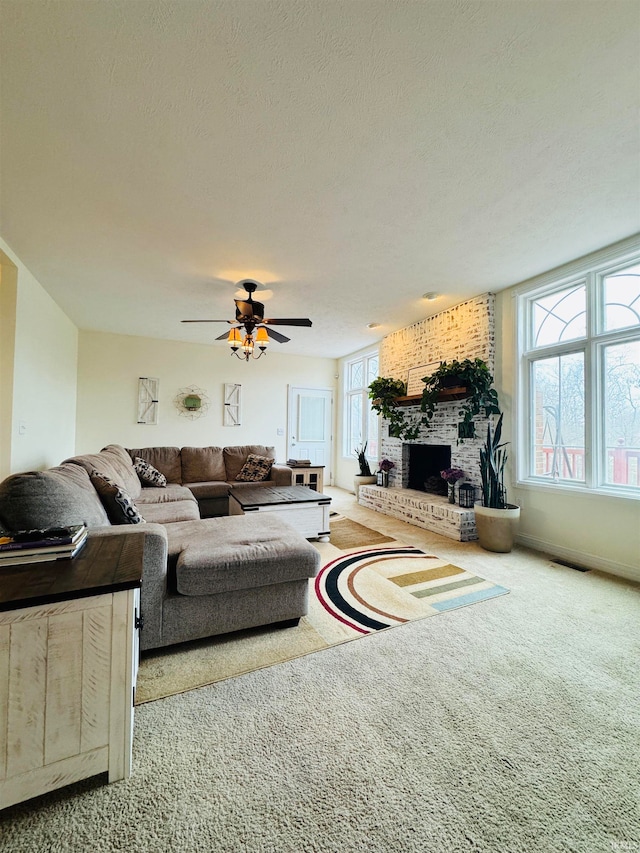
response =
{"points": [[466, 495]]}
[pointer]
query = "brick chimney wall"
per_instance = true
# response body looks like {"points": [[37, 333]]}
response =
{"points": [[464, 331]]}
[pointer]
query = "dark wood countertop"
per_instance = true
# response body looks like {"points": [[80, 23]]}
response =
{"points": [[249, 497], [105, 564]]}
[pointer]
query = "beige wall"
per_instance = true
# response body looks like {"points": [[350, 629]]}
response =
{"points": [[598, 531], [38, 372], [8, 299], [109, 367]]}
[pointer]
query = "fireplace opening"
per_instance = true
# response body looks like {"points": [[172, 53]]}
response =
{"points": [[425, 463]]}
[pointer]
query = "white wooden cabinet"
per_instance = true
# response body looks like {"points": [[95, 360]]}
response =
{"points": [[67, 679], [310, 475]]}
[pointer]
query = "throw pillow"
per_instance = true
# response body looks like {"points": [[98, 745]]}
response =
{"points": [[148, 474], [255, 468], [119, 507]]}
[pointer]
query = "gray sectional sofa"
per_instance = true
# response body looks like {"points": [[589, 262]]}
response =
{"points": [[201, 576], [210, 472]]}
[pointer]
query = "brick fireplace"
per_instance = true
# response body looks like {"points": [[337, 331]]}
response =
{"points": [[464, 331]]}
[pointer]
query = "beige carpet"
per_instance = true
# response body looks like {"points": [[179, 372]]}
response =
{"points": [[191, 665], [357, 592], [510, 727]]}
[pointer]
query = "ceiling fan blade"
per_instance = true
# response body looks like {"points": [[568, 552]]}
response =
{"points": [[208, 321], [277, 336], [291, 321]]}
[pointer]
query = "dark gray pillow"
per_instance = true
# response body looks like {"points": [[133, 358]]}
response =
{"points": [[118, 503]]}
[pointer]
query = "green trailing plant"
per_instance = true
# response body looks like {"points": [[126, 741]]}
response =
{"points": [[475, 377], [493, 458], [383, 393], [361, 455]]}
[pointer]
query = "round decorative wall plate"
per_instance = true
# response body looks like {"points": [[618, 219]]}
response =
{"points": [[192, 402]]}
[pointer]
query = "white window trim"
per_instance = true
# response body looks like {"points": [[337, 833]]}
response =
{"points": [[592, 267]]}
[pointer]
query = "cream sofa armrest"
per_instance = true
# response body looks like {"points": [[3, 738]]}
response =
{"points": [[281, 475]]}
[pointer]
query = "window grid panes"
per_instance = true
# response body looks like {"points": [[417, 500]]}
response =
{"points": [[356, 373], [560, 316], [581, 366], [622, 298]]}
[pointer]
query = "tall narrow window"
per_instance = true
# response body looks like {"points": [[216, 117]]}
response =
{"points": [[622, 413], [580, 374], [558, 410], [361, 424]]}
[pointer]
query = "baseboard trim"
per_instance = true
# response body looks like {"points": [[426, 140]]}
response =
{"points": [[580, 558]]}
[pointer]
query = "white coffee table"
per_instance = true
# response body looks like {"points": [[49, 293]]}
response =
{"points": [[300, 506]]}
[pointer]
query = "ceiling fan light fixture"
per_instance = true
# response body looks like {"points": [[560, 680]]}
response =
{"points": [[249, 319]]}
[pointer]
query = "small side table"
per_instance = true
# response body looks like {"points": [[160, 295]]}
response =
{"points": [[68, 665], [309, 475]]}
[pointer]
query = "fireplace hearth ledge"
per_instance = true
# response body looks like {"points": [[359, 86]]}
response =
{"points": [[431, 512]]}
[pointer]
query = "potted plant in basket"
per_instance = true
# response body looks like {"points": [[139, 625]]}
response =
{"points": [[365, 477], [496, 520]]}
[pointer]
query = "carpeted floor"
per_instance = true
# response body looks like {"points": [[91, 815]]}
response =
{"points": [[357, 592], [505, 728]]}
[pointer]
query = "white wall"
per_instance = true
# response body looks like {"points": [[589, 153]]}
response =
{"points": [[43, 401], [109, 367], [597, 531]]}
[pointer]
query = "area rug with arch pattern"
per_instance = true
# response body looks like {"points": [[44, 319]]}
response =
{"points": [[357, 592], [370, 589]]}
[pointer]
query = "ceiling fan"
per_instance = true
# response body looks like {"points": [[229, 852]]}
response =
{"points": [[250, 317]]}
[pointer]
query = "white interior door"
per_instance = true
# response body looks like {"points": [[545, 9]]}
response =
{"points": [[309, 423]]}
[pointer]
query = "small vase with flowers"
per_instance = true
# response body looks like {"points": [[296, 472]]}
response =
{"points": [[451, 477]]}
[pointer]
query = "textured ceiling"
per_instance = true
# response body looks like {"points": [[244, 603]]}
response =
{"points": [[352, 155]]}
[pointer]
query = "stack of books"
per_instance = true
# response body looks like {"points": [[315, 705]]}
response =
{"points": [[298, 463], [33, 546]]}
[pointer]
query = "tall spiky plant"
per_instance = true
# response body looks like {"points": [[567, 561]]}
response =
{"points": [[361, 455], [493, 458]]}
